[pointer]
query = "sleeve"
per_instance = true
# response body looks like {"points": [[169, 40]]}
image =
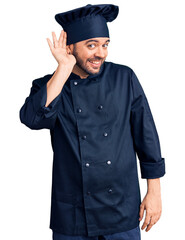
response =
{"points": [[145, 136], [33, 113]]}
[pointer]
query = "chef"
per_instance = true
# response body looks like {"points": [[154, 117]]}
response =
{"points": [[100, 122]]}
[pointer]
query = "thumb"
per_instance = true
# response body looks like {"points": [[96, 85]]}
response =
{"points": [[141, 212]]}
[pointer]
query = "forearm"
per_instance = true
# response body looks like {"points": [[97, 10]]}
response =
{"points": [[153, 186], [56, 83]]}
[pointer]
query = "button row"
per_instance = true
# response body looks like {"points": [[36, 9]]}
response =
{"points": [[79, 110], [108, 162], [76, 83], [109, 191], [105, 134]]}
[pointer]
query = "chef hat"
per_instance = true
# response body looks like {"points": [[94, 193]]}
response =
{"points": [[87, 22]]}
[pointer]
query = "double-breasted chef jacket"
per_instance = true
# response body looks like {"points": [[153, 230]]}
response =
{"points": [[97, 126]]}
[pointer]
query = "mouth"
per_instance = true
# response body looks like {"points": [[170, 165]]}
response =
{"points": [[95, 63]]}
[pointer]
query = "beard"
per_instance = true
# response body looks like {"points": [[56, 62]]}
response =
{"points": [[81, 65]]}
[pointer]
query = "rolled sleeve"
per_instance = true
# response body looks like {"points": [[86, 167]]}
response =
{"points": [[145, 136], [33, 113], [152, 170]]}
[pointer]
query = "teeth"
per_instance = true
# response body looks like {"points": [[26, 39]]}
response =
{"points": [[95, 62]]}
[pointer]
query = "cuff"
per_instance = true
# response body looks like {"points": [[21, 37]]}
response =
{"points": [[39, 101], [152, 170]]}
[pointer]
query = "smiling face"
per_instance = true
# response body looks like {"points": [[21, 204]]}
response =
{"points": [[89, 54]]}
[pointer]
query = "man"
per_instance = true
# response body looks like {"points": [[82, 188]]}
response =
{"points": [[99, 118]]}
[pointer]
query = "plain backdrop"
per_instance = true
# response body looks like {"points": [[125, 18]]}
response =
{"points": [[147, 36]]}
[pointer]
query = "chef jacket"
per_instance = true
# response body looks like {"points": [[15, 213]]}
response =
{"points": [[97, 126]]}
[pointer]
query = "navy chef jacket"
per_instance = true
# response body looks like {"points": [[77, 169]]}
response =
{"points": [[97, 125]]}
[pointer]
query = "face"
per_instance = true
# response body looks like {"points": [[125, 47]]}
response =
{"points": [[90, 54]]}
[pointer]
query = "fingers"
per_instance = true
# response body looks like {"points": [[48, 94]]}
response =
{"points": [[64, 40], [61, 38], [146, 222], [55, 42], [58, 43], [50, 44], [153, 220], [150, 220]]}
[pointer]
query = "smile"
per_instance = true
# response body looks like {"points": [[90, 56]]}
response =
{"points": [[95, 63]]}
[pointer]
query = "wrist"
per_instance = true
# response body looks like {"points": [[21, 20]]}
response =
{"points": [[63, 66], [64, 69], [154, 186]]}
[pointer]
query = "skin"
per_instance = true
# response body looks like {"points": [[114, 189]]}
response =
{"points": [[75, 58], [94, 49], [152, 204]]}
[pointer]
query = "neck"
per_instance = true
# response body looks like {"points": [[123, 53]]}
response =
{"points": [[78, 71]]}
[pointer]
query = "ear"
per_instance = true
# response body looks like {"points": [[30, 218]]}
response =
{"points": [[69, 48]]}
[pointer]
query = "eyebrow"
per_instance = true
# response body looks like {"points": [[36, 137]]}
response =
{"points": [[96, 41]]}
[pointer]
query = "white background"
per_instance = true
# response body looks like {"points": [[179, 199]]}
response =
{"points": [[149, 37]]}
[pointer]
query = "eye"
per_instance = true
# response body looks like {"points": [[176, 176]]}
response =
{"points": [[91, 45], [106, 45]]}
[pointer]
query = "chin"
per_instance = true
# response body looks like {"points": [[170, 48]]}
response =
{"points": [[95, 71]]}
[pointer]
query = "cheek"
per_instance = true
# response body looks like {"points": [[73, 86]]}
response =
{"points": [[87, 55]]}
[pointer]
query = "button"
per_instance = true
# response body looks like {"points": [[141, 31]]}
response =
{"points": [[105, 134], [79, 110], [88, 193], [84, 137], [45, 109], [75, 83], [87, 164], [108, 162], [100, 107], [110, 190]]}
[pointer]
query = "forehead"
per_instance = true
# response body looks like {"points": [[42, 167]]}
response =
{"points": [[97, 40]]}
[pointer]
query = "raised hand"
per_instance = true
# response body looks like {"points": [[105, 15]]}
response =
{"points": [[59, 49]]}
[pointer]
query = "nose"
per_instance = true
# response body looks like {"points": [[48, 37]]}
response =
{"points": [[100, 52]]}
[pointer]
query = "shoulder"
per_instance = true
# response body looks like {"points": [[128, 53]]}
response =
{"points": [[116, 67], [41, 81], [119, 71]]}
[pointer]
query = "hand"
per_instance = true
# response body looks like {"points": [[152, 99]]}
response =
{"points": [[59, 50], [153, 206]]}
